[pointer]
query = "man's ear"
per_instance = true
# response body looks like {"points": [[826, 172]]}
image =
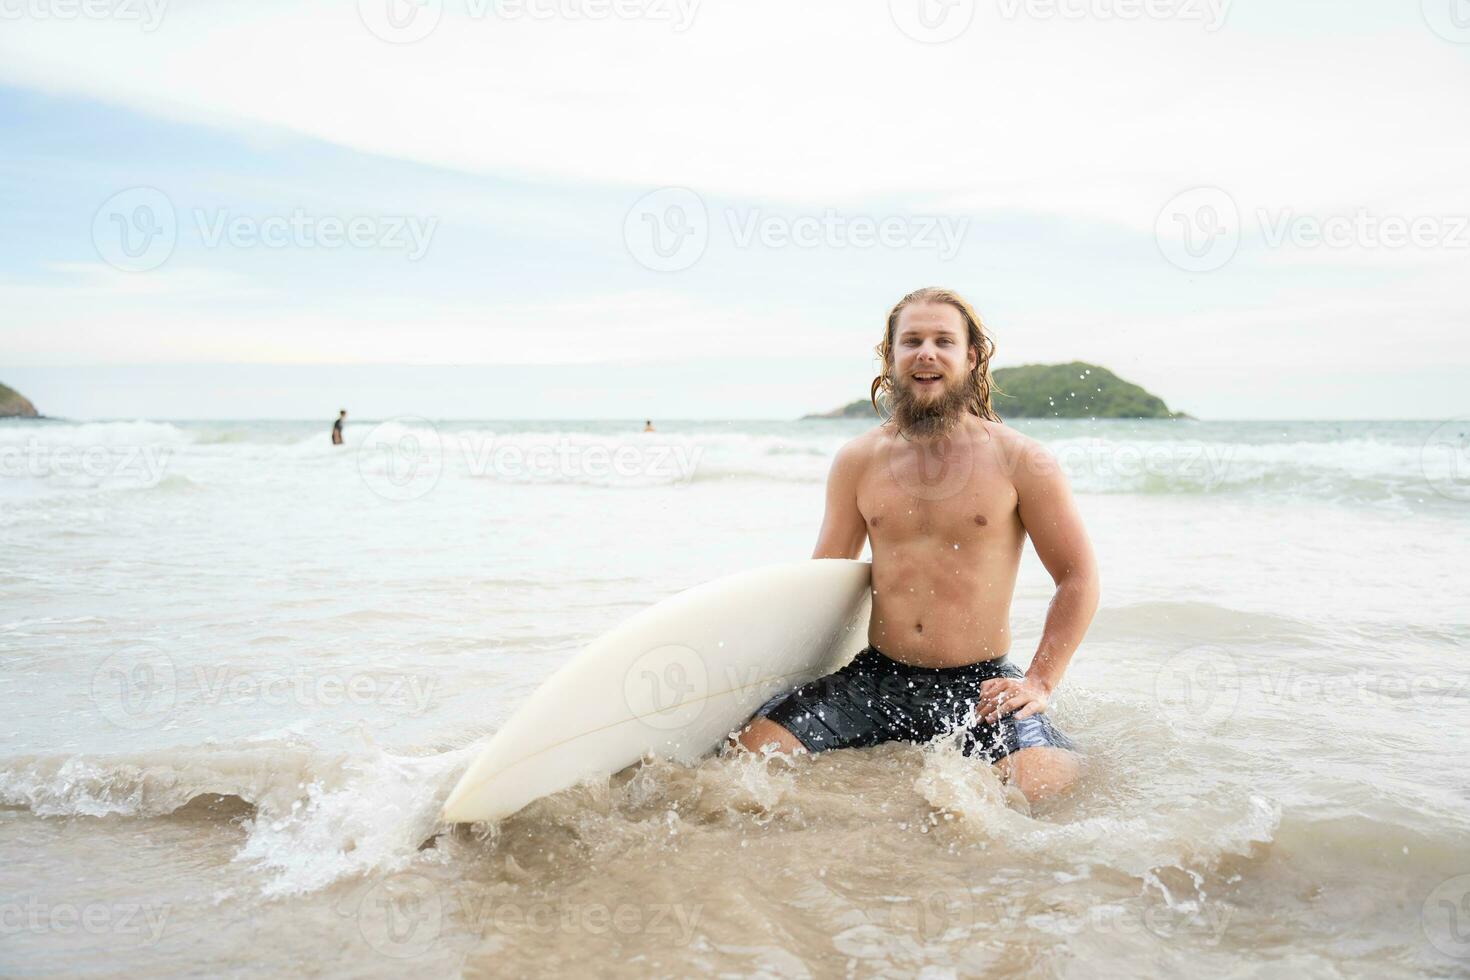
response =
{"points": [[974, 356]]}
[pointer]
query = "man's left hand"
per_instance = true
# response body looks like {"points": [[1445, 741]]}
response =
{"points": [[1001, 696]]}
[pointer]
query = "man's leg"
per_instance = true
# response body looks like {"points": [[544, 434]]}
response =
{"points": [[1039, 773], [761, 733]]}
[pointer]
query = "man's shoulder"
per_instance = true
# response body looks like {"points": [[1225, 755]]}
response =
{"points": [[1022, 456], [864, 444]]}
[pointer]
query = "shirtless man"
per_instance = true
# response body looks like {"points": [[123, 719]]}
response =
{"points": [[947, 495]]}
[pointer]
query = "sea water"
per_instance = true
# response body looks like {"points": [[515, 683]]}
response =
{"points": [[242, 668]]}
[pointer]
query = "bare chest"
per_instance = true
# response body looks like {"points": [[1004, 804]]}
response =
{"points": [[911, 493]]}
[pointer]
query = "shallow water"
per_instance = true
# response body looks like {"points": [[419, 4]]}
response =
{"points": [[243, 668]]}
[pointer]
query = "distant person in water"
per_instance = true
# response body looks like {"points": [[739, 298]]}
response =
{"points": [[648, 425], [337, 427]]}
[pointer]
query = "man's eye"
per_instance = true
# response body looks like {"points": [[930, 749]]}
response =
{"points": [[945, 341]]}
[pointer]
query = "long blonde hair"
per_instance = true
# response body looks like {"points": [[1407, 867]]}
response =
{"points": [[979, 383]]}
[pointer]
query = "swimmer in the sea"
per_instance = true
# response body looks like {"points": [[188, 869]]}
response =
{"points": [[337, 427]]}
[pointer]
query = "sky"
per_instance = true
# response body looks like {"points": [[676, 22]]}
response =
{"points": [[685, 209]]}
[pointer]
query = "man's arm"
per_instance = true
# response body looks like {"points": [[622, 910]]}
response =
{"points": [[843, 528], [1049, 514]]}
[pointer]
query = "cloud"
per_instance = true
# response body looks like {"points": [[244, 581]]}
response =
{"points": [[823, 102]]}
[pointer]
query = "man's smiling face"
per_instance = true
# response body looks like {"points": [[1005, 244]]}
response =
{"points": [[931, 353]]}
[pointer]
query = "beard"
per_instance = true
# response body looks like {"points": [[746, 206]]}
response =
{"points": [[926, 417]]}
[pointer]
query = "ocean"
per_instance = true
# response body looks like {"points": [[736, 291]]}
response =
{"points": [[243, 667]]}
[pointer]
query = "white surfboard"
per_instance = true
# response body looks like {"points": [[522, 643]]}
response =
{"points": [[671, 681]]}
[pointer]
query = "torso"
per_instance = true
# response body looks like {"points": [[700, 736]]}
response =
{"points": [[946, 541]]}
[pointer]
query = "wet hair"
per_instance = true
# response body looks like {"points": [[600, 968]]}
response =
{"points": [[978, 385]]}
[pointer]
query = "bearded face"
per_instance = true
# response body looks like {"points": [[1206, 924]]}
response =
{"points": [[929, 370], [926, 410]]}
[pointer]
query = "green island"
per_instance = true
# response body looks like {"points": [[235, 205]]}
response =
{"points": [[14, 405], [1076, 390]]}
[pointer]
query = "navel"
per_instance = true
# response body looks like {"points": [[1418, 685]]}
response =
{"points": [[919, 627]]}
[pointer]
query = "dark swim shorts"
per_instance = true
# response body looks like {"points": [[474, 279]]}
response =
{"points": [[876, 699]]}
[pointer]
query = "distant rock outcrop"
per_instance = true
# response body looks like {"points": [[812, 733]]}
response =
{"points": [[14, 405], [1052, 391]]}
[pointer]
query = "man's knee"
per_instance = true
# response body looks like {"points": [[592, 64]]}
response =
{"points": [[1040, 773], [762, 734]]}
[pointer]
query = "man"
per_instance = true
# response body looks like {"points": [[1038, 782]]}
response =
{"points": [[947, 495], [337, 427]]}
